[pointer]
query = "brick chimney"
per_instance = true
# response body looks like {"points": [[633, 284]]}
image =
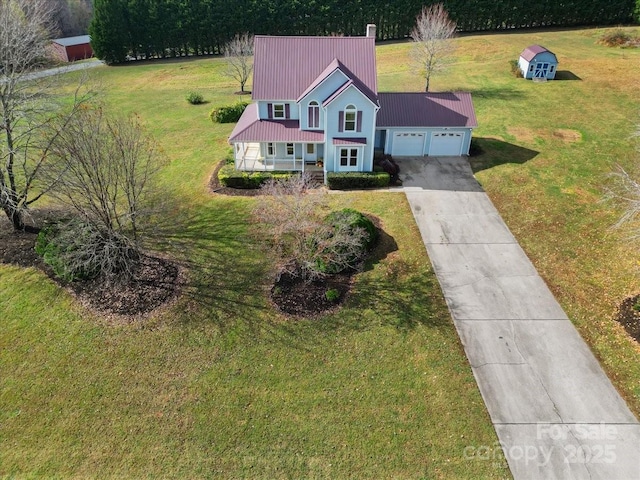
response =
{"points": [[371, 30]]}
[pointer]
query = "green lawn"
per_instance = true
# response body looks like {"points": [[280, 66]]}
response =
{"points": [[220, 385]]}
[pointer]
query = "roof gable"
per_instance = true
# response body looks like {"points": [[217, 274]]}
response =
{"points": [[285, 67], [530, 52]]}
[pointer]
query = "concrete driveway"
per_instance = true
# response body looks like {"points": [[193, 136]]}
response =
{"points": [[556, 413]]}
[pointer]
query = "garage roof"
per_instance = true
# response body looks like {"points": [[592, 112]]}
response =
{"points": [[426, 110]]}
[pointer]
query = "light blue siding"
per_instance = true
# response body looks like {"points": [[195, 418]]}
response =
{"points": [[263, 109], [351, 96], [538, 64]]}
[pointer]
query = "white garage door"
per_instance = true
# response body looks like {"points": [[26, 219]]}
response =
{"points": [[446, 144], [407, 144]]}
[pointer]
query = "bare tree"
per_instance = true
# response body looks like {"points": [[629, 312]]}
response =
{"points": [[239, 55], [26, 105], [102, 167], [432, 36], [295, 222]]}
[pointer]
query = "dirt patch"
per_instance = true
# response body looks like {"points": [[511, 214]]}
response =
{"points": [[154, 283], [523, 134], [567, 135], [629, 317]]}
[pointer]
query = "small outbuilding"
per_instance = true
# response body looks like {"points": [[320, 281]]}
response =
{"points": [[70, 49], [536, 62]]}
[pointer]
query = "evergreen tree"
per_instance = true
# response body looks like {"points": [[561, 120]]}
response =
{"points": [[109, 31]]}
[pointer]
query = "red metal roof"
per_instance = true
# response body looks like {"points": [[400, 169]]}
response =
{"points": [[530, 52], [426, 110], [350, 141], [284, 67], [251, 129]]}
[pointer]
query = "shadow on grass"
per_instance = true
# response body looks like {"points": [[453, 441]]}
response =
{"points": [[494, 152], [225, 272], [566, 75], [498, 93]]}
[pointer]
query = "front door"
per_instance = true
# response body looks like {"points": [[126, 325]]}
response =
{"points": [[310, 153]]}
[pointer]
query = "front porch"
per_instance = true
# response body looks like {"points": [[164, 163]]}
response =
{"points": [[251, 157]]}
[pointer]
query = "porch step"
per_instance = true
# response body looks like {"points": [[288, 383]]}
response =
{"points": [[316, 175]]}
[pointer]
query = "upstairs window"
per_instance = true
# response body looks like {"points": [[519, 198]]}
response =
{"points": [[314, 115], [279, 111], [350, 118]]}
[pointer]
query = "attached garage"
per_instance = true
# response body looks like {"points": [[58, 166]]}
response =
{"points": [[408, 144], [417, 124], [446, 144]]}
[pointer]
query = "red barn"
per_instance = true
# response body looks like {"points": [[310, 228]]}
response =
{"points": [[71, 49]]}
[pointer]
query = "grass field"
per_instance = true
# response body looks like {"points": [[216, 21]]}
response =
{"points": [[220, 385]]}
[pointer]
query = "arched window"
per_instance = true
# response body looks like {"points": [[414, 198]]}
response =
{"points": [[350, 118], [314, 115]]}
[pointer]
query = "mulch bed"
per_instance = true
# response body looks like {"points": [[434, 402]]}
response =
{"points": [[154, 283], [216, 187], [294, 296], [629, 318]]}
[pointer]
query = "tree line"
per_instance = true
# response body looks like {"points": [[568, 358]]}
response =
{"points": [[125, 29]]}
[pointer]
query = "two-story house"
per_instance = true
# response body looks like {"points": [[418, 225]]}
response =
{"points": [[316, 104]]}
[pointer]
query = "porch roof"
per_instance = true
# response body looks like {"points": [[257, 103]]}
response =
{"points": [[251, 129], [350, 141]]}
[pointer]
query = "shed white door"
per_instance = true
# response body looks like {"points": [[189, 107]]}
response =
{"points": [[408, 144], [446, 144]]}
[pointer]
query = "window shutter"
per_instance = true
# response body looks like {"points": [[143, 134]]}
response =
{"points": [[341, 121], [359, 123], [287, 110], [270, 110]]}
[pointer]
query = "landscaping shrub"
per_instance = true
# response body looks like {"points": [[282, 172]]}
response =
{"points": [[616, 38], [77, 250], [357, 180], [228, 176], [195, 98], [343, 242], [228, 114], [354, 219], [515, 69], [332, 295]]}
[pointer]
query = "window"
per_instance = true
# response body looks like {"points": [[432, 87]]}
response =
{"points": [[290, 149], [531, 67], [350, 119], [314, 115], [349, 157], [278, 110], [551, 68], [311, 148], [271, 150]]}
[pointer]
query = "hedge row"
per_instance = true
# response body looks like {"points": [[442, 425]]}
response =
{"points": [[357, 180], [228, 176]]}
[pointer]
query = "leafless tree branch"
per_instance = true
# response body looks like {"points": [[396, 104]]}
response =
{"points": [[432, 36], [239, 55]]}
